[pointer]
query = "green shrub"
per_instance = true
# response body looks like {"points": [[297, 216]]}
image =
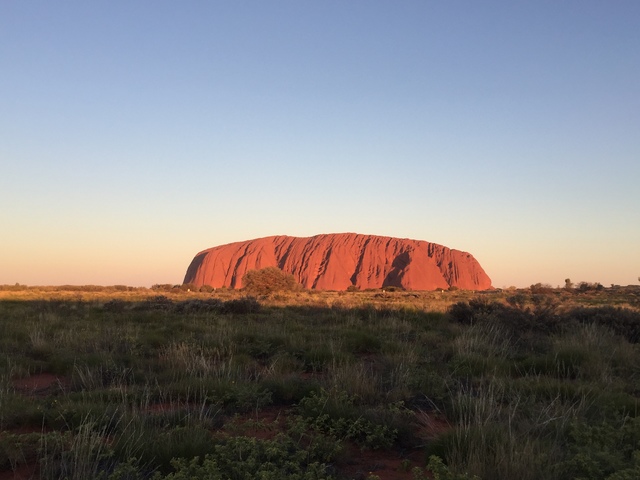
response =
{"points": [[610, 450], [246, 458], [268, 280], [241, 306], [262, 346], [335, 414], [439, 471], [362, 342], [158, 446], [621, 321], [468, 313], [317, 358], [588, 287], [289, 389], [18, 449], [199, 306]]}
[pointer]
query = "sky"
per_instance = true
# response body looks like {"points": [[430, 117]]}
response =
{"points": [[135, 134]]}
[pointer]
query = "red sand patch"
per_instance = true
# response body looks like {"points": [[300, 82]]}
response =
{"points": [[23, 472], [263, 425], [40, 384], [27, 429], [386, 464], [431, 426]]}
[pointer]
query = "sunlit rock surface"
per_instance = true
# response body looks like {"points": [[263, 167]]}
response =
{"points": [[337, 261]]}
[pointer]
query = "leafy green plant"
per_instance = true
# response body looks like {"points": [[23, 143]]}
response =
{"points": [[610, 450], [439, 471], [18, 449], [248, 458], [335, 414]]}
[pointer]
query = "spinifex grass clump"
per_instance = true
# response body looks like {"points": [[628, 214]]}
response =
{"points": [[502, 386]]}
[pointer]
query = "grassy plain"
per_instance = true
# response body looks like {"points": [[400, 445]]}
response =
{"points": [[124, 383]]}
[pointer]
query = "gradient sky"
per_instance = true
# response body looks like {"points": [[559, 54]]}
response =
{"points": [[135, 134]]}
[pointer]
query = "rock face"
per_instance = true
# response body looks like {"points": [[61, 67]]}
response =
{"points": [[337, 261]]}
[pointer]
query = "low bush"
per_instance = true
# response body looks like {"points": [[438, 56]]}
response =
{"points": [[210, 305], [248, 458], [623, 322], [268, 280], [241, 306], [606, 451], [336, 414]]}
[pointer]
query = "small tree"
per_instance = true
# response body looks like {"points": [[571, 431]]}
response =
{"points": [[568, 284], [268, 280]]}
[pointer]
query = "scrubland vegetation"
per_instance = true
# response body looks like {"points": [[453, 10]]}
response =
{"points": [[174, 383]]}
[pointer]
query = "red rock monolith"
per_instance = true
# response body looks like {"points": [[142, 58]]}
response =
{"points": [[337, 261]]}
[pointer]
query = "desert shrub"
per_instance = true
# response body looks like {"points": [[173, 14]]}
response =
{"points": [[336, 414], [621, 321], [477, 309], [159, 302], [260, 347], [246, 397], [461, 312], [244, 458], [13, 288], [18, 449], [541, 288], [17, 411], [241, 306], [316, 358], [439, 471], [519, 300], [115, 305], [392, 288], [516, 319], [362, 342], [610, 450], [199, 306], [289, 389], [163, 444], [544, 305], [268, 280], [584, 287], [165, 287]]}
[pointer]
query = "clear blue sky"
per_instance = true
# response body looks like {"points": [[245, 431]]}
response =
{"points": [[135, 134]]}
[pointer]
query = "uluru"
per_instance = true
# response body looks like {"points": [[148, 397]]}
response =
{"points": [[338, 261]]}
